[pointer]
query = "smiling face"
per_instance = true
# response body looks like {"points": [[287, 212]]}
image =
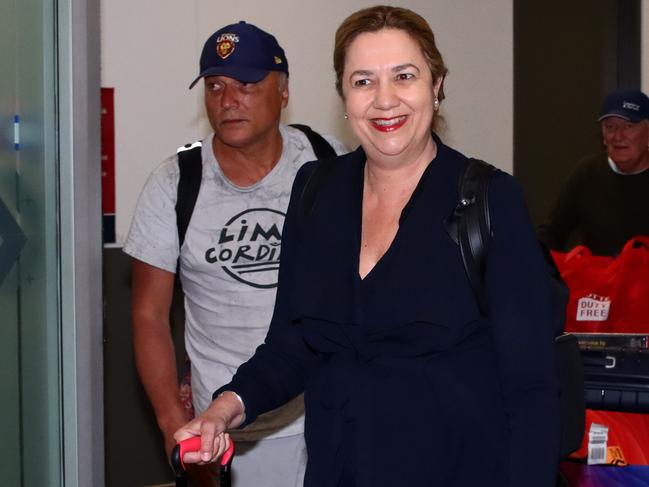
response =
{"points": [[244, 114], [626, 143], [389, 93]]}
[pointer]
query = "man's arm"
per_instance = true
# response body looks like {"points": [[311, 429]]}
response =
{"points": [[154, 348]]}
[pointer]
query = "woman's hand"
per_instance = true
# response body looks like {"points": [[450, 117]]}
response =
{"points": [[225, 412]]}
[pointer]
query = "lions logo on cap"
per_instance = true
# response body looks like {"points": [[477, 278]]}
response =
{"points": [[225, 45]]}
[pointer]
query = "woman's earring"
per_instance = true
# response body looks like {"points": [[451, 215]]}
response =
{"points": [[436, 104], [346, 116]]}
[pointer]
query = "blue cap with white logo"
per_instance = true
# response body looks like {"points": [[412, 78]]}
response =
{"points": [[241, 51], [631, 105]]}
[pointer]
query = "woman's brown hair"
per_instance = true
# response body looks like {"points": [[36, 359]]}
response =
{"points": [[373, 19]]}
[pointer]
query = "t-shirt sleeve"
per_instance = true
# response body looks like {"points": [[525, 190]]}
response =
{"points": [[153, 236]]}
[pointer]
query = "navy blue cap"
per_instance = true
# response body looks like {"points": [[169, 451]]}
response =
{"points": [[631, 105], [241, 51]]}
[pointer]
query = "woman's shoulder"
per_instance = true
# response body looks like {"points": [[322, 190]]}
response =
{"points": [[505, 190], [320, 171], [330, 178], [331, 162]]}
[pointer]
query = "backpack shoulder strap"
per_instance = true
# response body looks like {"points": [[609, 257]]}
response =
{"points": [[473, 225], [325, 154], [321, 147], [190, 164]]}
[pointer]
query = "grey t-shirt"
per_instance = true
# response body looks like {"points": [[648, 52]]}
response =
{"points": [[229, 266]]}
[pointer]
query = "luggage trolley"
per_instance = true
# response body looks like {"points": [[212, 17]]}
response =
{"points": [[194, 444]]}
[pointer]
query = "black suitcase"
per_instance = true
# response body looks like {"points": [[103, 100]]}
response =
{"points": [[194, 444], [616, 378]]}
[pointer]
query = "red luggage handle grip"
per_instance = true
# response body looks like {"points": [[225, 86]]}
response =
{"points": [[194, 444]]}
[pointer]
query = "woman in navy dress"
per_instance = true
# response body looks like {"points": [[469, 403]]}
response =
{"points": [[405, 382]]}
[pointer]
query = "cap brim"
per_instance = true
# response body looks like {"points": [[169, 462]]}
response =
{"points": [[240, 73], [624, 115]]}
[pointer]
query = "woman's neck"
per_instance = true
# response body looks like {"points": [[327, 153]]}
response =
{"points": [[396, 178]]}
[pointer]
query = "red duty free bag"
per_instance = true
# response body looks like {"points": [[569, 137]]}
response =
{"points": [[607, 294]]}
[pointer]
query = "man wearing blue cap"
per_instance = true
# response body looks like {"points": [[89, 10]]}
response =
{"points": [[229, 258], [604, 202]]}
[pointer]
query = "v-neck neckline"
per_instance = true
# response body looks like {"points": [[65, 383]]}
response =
{"points": [[407, 208]]}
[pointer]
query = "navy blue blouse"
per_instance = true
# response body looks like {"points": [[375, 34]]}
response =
{"points": [[405, 382]]}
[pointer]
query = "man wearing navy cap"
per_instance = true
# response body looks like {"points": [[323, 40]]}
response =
{"points": [[604, 202], [229, 260]]}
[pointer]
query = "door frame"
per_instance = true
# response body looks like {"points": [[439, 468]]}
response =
{"points": [[78, 51]]}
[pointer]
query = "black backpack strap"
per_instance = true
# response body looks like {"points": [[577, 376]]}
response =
{"points": [[326, 155], [190, 164], [470, 225], [321, 147]]}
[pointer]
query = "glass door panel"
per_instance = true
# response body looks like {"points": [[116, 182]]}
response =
{"points": [[30, 324]]}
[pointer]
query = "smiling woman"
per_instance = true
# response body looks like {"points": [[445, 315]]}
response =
{"points": [[375, 320], [389, 96]]}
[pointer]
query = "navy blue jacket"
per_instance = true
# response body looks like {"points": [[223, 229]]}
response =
{"points": [[405, 382]]}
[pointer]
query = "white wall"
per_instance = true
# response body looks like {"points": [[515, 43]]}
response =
{"points": [[150, 51]]}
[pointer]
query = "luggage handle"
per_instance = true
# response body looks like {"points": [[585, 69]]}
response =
{"points": [[193, 444], [605, 361]]}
